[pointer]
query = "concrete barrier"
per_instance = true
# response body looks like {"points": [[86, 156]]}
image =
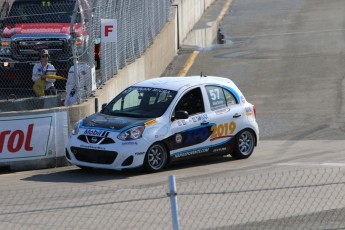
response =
{"points": [[22, 104]]}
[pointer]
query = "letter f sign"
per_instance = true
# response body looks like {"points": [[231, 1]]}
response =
{"points": [[108, 30]]}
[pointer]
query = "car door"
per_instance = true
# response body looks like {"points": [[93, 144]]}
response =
{"points": [[226, 117], [188, 135]]}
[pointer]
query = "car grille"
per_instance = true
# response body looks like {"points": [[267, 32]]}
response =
{"points": [[96, 139], [94, 156], [28, 48]]}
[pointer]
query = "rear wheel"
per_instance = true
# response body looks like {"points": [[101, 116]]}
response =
{"points": [[244, 144], [156, 158]]}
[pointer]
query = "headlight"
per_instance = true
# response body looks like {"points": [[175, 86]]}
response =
{"points": [[132, 133], [75, 130], [79, 41], [5, 46]]}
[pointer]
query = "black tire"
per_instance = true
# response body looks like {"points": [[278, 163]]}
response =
{"points": [[156, 158], [244, 144]]}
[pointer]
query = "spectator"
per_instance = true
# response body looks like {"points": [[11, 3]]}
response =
{"points": [[73, 95], [38, 75]]}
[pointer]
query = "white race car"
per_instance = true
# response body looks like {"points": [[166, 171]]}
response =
{"points": [[161, 120]]}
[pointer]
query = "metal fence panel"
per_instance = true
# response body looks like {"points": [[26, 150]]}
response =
{"points": [[297, 199]]}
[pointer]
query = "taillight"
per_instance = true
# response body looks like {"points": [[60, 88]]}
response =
{"points": [[254, 111]]}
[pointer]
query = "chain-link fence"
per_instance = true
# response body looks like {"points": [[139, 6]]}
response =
{"points": [[139, 21], [70, 31], [303, 199]]}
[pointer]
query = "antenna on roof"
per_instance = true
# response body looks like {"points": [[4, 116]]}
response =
{"points": [[201, 75]]}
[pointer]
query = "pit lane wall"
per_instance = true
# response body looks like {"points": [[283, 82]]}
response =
{"points": [[37, 139]]}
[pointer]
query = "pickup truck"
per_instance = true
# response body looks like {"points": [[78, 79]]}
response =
{"points": [[27, 26]]}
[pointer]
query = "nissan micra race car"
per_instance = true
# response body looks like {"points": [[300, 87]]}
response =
{"points": [[166, 119]]}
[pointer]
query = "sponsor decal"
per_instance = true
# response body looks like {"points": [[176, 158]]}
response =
{"points": [[92, 147], [178, 138], [248, 111], [159, 135], [181, 122], [17, 140], [191, 153], [93, 132], [31, 136], [215, 103], [219, 112], [130, 143], [190, 137], [140, 153], [151, 122], [219, 150], [223, 130], [145, 89], [197, 135], [202, 117]]}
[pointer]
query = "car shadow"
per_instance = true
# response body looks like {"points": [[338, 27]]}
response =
{"points": [[77, 175], [74, 174], [203, 161]]}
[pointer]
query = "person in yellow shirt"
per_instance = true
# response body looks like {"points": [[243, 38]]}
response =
{"points": [[42, 68]]}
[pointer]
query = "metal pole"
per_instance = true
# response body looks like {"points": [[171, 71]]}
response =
{"points": [[74, 51], [173, 202]]}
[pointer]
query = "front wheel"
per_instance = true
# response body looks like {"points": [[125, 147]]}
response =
{"points": [[156, 158], [244, 144]]}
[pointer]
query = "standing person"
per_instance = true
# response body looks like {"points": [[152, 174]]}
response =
{"points": [[73, 93], [42, 68]]}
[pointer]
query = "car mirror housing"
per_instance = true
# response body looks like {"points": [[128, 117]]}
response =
{"points": [[180, 114]]}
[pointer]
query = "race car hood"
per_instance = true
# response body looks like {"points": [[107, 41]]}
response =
{"points": [[39, 28], [99, 120]]}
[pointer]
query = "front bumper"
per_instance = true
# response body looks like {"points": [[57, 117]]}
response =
{"points": [[118, 156]]}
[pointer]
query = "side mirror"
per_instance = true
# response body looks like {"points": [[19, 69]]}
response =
{"points": [[104, 105], [180, 114]]}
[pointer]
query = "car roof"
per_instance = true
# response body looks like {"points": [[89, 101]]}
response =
{"points": [[176, 83]]}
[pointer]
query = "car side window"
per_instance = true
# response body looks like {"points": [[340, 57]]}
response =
{"points": [[192, 102], [229, 97], [219, 97]]}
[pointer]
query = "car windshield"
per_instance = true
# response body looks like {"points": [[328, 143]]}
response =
{"points": [[140, 102], [42, 12]]}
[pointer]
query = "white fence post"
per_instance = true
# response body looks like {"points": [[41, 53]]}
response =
{"points": [[173, 202]]}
